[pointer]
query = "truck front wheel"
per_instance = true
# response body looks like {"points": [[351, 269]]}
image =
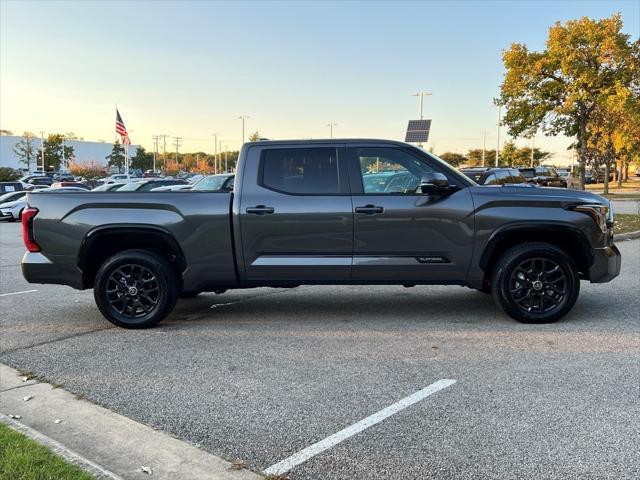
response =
{"points": [[135, 289], [535, 283]]}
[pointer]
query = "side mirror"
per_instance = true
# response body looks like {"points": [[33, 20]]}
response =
{"points": [[434, 183]]}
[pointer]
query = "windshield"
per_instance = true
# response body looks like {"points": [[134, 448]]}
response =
{"points": [[131, 187], [215, 182], [11, 196]]}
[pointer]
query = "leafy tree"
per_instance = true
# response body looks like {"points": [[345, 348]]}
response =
{"points": [[453, 159], [54, 157], [8, 174], [116, 157], [24, 149], [255, 136], [474, 158], [142, 159], [558, 89]]}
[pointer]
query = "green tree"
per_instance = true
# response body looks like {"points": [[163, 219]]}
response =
{"points": [[474, 158], [24, 149], [54, 157], [142, 159], [255, 136], [8, 174], [557, 89], [453, 159], [116, 157]]}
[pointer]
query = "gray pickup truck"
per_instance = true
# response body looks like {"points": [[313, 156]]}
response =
{"points": [[323, 212]]}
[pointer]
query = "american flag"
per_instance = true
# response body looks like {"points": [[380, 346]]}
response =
{"points": [[121, 129]]}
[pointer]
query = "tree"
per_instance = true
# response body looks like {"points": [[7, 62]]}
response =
{"points": [[54, 157], [116, 157], [5, 132], [255, 136], [453, 159], [24, 149], [88, 169], [474, 158], [142, 159], [557, 89], [8, 174]]}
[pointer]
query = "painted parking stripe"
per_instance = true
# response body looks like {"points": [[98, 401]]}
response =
{"points": [[17, 293], [305, 454]]}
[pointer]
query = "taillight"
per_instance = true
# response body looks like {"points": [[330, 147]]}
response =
{"points": [[28, 214]]}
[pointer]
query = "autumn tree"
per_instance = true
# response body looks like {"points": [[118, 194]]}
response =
{"points": [[558, 89], [25, 150], [453, 159], [255, 136]]}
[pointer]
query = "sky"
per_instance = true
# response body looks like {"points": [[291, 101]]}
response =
{"points": [[190, 69]]}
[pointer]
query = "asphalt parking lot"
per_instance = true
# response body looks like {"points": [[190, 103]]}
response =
{"points": [[262, 374]]}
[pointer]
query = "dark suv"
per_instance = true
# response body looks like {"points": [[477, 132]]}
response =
{"points": [[544, 176], [494, 176]]}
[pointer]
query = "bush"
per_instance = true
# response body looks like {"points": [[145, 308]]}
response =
{"points": [[88, 169], [8, 174]]}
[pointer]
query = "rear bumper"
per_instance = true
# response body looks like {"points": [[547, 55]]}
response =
{"points": [[606, 265], [36, 268]]}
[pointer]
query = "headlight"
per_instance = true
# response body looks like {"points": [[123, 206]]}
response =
{"points": [[601, 214]]}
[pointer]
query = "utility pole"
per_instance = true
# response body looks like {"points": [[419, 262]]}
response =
{"points": [[484, 146], [243, 118], [498, 143], [532, 149], [62, 159], [215, 152], [177, 142], [42, 149], [226, 154], [156, 139], [331, 125]]}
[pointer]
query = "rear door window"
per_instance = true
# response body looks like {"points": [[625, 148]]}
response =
{"points": [[301, 171]]}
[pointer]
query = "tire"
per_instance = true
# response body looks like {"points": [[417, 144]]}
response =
{"points": [[535, 283], [135, 289]]}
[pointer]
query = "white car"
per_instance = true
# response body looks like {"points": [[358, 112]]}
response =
{"points": [[120, 178], [12, 211]]}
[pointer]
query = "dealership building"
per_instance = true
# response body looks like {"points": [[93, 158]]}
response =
{"points": [[83, 151]]}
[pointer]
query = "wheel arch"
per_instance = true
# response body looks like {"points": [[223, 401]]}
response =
{"points": [[107, 240], [568, 238]]}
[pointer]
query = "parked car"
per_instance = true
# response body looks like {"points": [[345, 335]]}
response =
{"points": [[41, 180], [543, 176], [108, 187], [70, 184], [302, 213], [12, 196], [638, 172], [6, 187], [172, 188], [148, 185], [494, 176], [119, 178], [222, 181]]}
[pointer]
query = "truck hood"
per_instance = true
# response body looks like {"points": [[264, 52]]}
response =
{"points": [[557, 194]]}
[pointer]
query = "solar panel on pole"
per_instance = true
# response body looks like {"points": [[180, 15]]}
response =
{"points": [[418, 131]]}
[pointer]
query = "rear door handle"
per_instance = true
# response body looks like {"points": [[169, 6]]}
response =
{"points": [[260, 210], [369, 209]]}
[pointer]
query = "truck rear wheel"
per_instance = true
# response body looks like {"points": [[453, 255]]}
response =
{"points": [[535, 283], [135, 289]]}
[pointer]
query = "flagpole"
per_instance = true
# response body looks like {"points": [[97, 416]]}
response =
{"points": [[126, 159]]}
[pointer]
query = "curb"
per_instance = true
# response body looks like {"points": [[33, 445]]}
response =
{"points": [[626, 236], [108, 445]]}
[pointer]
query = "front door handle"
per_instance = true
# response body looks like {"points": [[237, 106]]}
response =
{"points": [[369, 209], [260, 210]]}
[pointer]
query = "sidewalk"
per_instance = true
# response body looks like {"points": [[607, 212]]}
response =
{"points": [[105, 443]]}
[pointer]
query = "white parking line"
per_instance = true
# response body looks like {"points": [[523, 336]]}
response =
{"points": [[17, 293], [305, 454]]}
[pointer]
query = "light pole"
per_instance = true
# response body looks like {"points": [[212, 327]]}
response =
{"points": [[243, 118], [421, 95], [215, 152], [484, 146], [42, 149], [331, 125], [498, 142], [532, 148]]}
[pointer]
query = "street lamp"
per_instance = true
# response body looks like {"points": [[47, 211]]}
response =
{"points": [[243, 118], [331, 125]]}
